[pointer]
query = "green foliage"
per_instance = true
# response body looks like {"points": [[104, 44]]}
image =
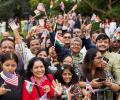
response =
{"points": [[95, 26], [116, 10], [6, 9], [85, 7]]}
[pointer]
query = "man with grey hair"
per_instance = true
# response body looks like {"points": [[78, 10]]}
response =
{"points": [[75, 47], [74, 51]]}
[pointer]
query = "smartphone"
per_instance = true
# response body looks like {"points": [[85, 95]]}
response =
{"points": [[8, 90], [105, 59], [101, 79]]}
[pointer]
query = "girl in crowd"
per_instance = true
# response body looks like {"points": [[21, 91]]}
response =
{"points": [[69, 61], [68, 78], [93, 71], [10, 83], [50, 62], [37, 75]]}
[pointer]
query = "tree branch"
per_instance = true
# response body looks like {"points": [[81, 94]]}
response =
{"points": [[115, 1], [94, 7]]}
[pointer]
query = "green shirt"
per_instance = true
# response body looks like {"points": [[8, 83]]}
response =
{"points": [[113, 65], [77, 58]]}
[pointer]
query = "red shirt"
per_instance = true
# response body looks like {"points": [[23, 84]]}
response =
{"points": [[34, 95]]}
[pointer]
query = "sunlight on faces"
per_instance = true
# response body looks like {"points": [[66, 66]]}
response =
{"points": [[7, 46], [67, 76], [9, 66], [5, 35], [42, 54], [67, 38], [75, 47], [34, 46], [115, 44], [77, 33], [38, 69], [97, 62], [93, 37], [68, 60], [103, 45], [52, 52], [60, 19], [48, 24]]}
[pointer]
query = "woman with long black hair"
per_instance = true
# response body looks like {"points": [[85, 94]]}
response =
{"points": [[93, 71]]}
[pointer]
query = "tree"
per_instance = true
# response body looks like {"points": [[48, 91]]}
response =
{"points": [[12, 8], [107, 8], [6, 9]]}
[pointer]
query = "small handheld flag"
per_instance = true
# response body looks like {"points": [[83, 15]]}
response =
{"points": [[67, 91], [116, 37], [29, 86], [89, 87], [95, 18], [62, 6], [37, 13], [41, 7], [59, 40]]}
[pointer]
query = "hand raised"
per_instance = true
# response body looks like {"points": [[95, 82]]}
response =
{"points": [[57, 87], [13, 25]]}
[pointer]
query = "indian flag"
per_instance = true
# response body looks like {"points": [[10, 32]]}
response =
{"points": [[29, 86], [95, 18], [88, 86], [59, 40], [116, 37], [62, 6], [68, 94]]}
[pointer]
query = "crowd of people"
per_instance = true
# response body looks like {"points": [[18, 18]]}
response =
{"points": [[61, 58]]}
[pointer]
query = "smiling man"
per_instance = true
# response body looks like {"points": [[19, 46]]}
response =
{"points": [[103, 44]]}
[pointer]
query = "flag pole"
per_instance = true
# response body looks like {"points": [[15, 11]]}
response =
{"points": [[46, 14]]}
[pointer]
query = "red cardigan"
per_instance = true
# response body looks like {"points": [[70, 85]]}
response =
{"points": [[34, 94]]}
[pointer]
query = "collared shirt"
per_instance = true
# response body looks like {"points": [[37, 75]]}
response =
{"points": [[25, 53], [113, 65], [77, 58]]}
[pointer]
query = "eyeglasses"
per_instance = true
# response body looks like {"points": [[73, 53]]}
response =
{"points": [[67, 37], [77, 32], [75, 44], [99, 58]]}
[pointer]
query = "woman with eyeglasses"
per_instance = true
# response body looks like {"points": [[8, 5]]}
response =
{"points": [[96, 76]]}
